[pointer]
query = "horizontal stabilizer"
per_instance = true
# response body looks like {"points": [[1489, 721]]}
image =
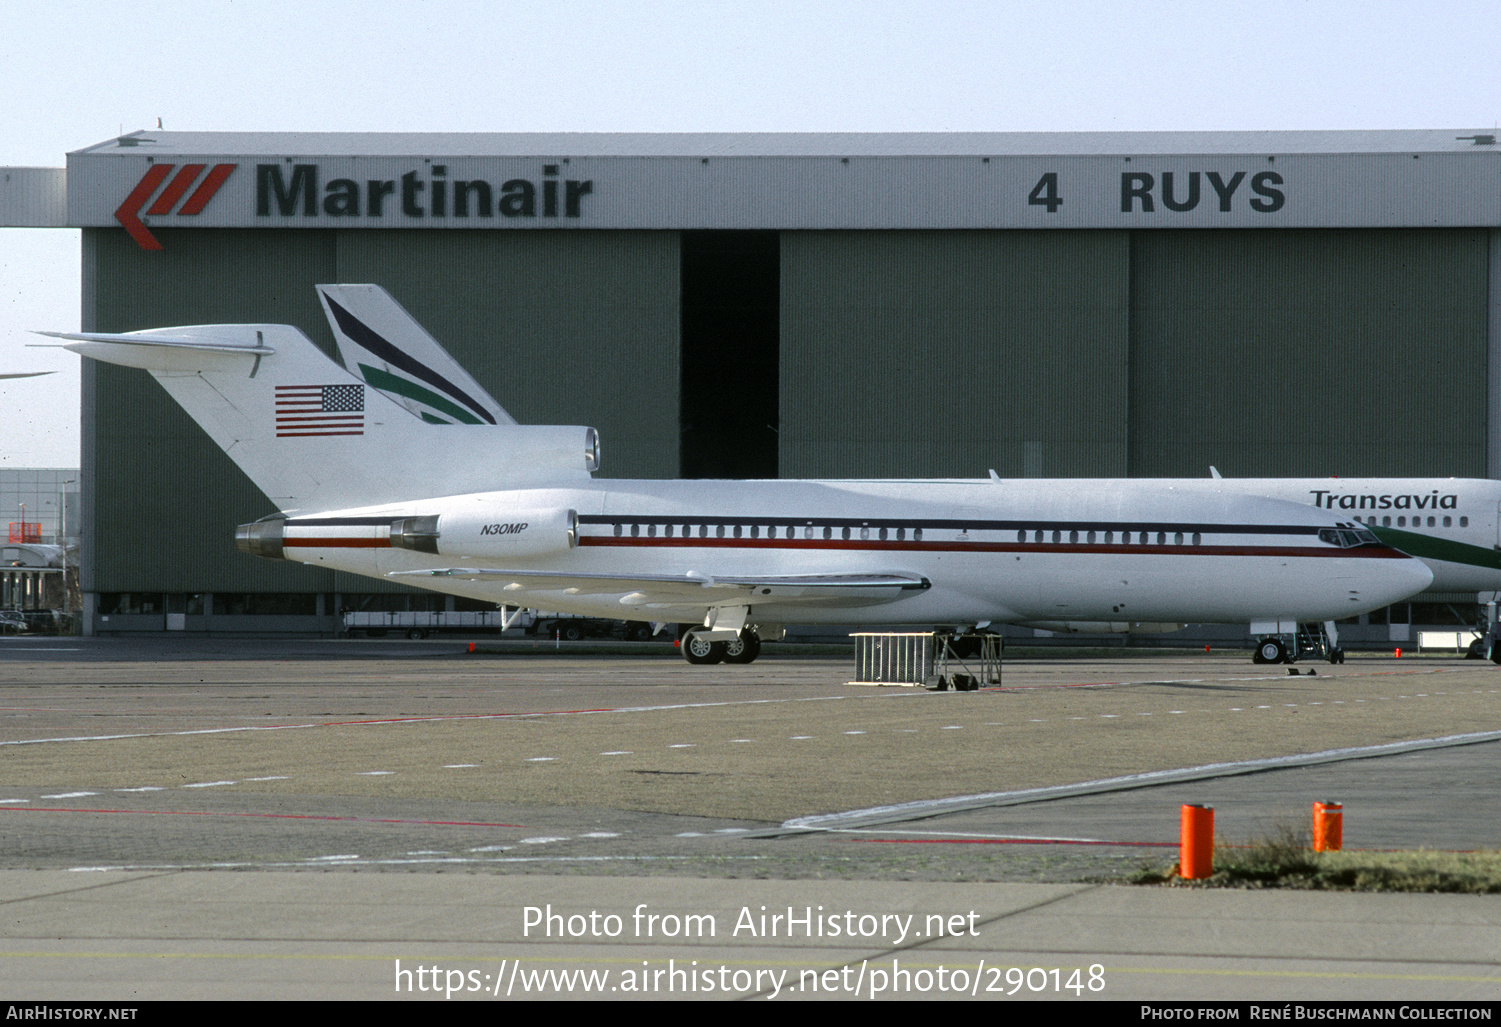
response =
{"points": [[313, 436], [253, 348]]}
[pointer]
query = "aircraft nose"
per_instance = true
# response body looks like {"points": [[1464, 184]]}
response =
{"points": [[1394, 581]]}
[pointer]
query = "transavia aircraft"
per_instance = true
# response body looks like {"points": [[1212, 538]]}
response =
{"points": [[374, 469], [1451, 524]]}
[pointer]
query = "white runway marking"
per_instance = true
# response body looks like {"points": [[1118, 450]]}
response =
{"points": [[930, 807], [210, 784], [69, 795]]}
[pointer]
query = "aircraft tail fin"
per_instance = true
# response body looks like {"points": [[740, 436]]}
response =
{"points": [[313, 436], [384, 346]]}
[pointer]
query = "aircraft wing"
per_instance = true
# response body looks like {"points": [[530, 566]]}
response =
{"points": [[698, 589]]}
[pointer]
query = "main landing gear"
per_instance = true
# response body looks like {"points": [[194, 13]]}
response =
{"points": [[742, 649]]}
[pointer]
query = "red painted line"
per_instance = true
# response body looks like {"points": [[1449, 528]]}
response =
{"points": [[175, 188], [1007, 841], [206, 191], [272, 816], [128, 210], [336, 543]]}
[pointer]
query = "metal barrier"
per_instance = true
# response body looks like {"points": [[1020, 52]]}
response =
{"points": [[894, 659], [927, 658], [980, 664]]}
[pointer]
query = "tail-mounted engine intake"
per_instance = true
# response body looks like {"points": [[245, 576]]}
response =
{"points": [[419, 534], [488, 533]]}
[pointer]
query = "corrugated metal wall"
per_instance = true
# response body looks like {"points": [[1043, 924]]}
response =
{"points": [[1290, 353], [948, 353], [561, 327]]}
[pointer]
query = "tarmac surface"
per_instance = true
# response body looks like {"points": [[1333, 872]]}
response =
{"points": [[411, 801]]}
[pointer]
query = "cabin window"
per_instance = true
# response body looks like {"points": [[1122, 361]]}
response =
{"points": [[1178, 539], [1021, 536], [1091, 538], [1073, 537], [1196, 538], [883, 534], [1057, 536], [635, 530], [901, 534], [1448, 521], [719, 531], [651, 531], [916, 534], [845, 534], [755, 531], [1431, 522], [617, 531], [828, 533], [864, 534], [1109, 537], [737, 531], [1401, 522], [1464, 522]]}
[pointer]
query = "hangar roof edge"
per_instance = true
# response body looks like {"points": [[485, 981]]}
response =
{"points": [[792, 144]]}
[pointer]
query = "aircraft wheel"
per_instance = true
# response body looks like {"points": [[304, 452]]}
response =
{"points": [[1336, 655], [572, 633], [696, 650], [743, 649], [416, 633], [1474, 652], [638, 633], [1270, 650]]}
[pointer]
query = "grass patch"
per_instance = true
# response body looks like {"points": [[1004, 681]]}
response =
{"points": [[1284, 859]]}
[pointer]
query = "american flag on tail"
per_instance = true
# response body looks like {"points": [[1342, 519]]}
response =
{"points": [[304, 410]]}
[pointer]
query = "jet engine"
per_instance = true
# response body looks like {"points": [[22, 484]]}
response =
{"points": [[488, 533]]}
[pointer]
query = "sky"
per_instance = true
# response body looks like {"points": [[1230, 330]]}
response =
{"points": [[79, 73]]}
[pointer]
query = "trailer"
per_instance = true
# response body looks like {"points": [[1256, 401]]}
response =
{"points": [[570, 628], [422, 623]]}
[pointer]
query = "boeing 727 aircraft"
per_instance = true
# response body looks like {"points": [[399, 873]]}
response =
{"points": [[372, 476]]}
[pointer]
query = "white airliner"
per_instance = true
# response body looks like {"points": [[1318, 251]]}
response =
{"points": [[1451, 524], [402, 467]]}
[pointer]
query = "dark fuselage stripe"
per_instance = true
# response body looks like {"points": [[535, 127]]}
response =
{"points": [[954, 524]]}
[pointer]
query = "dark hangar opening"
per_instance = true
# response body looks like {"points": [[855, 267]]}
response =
{"points": [[730, 302]]}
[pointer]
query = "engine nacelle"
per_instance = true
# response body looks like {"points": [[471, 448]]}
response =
{"points": [[488, 533]]}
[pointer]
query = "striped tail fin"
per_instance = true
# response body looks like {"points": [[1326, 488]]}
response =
{"points": [[384, 346]]}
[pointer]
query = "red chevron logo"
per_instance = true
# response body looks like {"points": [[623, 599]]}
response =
{"points": [[129, 214]]}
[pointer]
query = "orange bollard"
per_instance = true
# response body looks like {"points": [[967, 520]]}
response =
{"points": [[1196, 842], [1328, 826]]}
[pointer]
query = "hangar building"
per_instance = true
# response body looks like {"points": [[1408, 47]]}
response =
{"points": [[848, 305]]}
